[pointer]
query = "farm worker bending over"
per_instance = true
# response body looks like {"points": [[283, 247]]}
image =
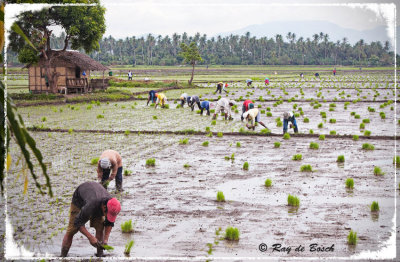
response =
{"points": [[288, 116], [334, 72], [247, 104], [161, 98], [91, 201], [152, 97], [205, 105], [110, 160], [249, 82], [224, 105], [184, 98], [223, 88], [266, 81], [194, 99], [254, 116], [317, 75], [219, 87]]}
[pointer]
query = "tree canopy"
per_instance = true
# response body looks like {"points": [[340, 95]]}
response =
{"points": [[191, 55]]}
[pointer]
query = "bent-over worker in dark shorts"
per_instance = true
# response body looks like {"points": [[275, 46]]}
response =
{"points": [[110, 162]]}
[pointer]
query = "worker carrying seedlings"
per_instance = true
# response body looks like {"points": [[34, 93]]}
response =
{"points": [[194, 99], [110, 160], [205, 105], [184, 98], [161, 99], [249, 82], [152, 97], [224, 106], [288, 116], [91, 201], [247, 104], [253, 115]]}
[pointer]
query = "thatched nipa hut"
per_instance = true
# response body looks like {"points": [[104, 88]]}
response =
{"points": [[73, 70]]}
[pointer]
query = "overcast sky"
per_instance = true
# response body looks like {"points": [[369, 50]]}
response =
{"points": [[139, 17]]}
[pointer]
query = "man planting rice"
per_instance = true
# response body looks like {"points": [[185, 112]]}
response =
{"points": [[247, 104], [184, 99], [161, 99], [152, 97], [253, 115], [224, 106], [110, 160], [288, 116]]}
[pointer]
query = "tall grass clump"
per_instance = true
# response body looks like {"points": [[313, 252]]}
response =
{"points": [[150, 162], [352, 238], [268, 182], [293, 201], [220, 196], [374, 206], [340, 159], [127, 227], [232, 234], [314, 145], [349, 183]]}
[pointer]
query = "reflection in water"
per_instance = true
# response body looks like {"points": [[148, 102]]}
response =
{"points": [[292, 210], [341, 165], [350, 192], [375, 216]]}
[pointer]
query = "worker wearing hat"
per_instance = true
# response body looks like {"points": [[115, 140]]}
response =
{"points": [[194, 99], [224, 105], [219, 87], [110, 161], [91, 201]]}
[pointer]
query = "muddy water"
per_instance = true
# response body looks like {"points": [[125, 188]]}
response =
{"points": [[175, 208]]}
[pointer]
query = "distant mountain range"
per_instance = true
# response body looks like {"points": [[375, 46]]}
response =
{"points": [[309, 28]]}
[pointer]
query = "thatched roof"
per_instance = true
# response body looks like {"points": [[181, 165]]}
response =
{"points": [[75, 58]]}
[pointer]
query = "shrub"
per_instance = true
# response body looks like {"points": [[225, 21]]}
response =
{"points": [[205, 143], [321, 137], [150, 162], [184, 141], [340, 159], [232, 233], [355, 137], [246, 166], [320, 125], [94, 161], [350, 183], [297, 157], [367, 133], [293, 201], [314, 145], [268, 182], [306, 120], [128, 247], [367, 146], [374, 206], [286, 136], [352, 238], [219, 134], [277, 144], [378, 171], [238, 144], [220, 196], [127, 227], [306, 168]]}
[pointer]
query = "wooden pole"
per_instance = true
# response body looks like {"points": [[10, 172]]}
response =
{"points": [[103, 80]]}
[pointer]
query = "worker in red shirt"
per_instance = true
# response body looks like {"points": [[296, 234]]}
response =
{"points": [[247, 104]]}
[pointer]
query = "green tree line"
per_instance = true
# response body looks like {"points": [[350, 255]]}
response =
{"points": [[240, 50]]}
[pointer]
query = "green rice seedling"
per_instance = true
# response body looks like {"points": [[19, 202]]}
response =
{"points": [[314, 145], [262, 111], [323, 114], [166, 106], [269, 114], [306, 168], [186, 165], [352, 238], [70, 131], [396, 161], [94, 161], [100, 116], [357, 116], [362, 125], [44, 119], [233, 156], [293, 201], [353, 113], [184, 141], [331, 109], [238, 144], [286, 136], [349, 183], [332, 132], [277, 144], [210, 248], [208, 129], [378, 171], [311, 131], [227, 158], [210, 134], [220, 196], [340, 159], [265, 131], [127, 172], [108, 248], [367, 133], [366, 120], [297, 157], [212, 110], [213, 122], [367, 146], [332, 121], [355, 137], [150, 162], [127, 227], [374, 206], [205, 143], [178, 106], [127, 132], [128, 247], [246, 166], [382, 114], [232, 234], [155, 117], [370, 109], [306, 120], [279, 124], [268, 182], [219, 134], [321, 137], [320, 125]]}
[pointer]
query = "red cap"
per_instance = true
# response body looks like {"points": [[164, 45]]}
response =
{"points": [[113, 208]]}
